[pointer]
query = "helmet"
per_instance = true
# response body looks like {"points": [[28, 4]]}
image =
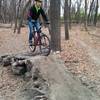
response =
{"points": [[38, 0]]}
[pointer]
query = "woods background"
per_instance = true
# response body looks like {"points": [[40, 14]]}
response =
{"points": [[84, 12]]}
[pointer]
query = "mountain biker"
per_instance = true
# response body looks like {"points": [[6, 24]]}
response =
{"points": [[33, 18]]}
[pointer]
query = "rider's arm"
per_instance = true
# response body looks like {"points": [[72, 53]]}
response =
{"points": [[44, 15], [29, 14]]}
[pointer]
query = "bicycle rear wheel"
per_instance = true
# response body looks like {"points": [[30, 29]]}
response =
{"points": [[45, 45]]}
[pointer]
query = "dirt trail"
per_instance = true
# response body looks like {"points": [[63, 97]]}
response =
{"points": [[63, 85], [91, 41]]}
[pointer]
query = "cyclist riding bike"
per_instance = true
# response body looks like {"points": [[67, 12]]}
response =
{"points": [[33, 18]]}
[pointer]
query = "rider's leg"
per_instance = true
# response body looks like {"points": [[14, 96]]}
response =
{"points": [[30, 31], [37, 24]]}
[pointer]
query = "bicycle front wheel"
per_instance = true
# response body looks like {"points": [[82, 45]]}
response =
{"points": [[45, 45], [33, 46]]}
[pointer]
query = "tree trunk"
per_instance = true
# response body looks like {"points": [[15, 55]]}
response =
{"points": [[96, 13], [55, 25], [70, 14], [5, 11], [17, 16], [22, 15], [66, 15], [90, 10], [12, 11], [77, 16], [0, 9], [85, 18]]}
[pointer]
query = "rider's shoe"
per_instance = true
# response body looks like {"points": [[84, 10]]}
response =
{"points": [[30, 43]]}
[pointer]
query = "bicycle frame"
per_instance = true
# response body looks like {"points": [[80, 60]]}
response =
{"points": [[40, 39], [37, 39]]}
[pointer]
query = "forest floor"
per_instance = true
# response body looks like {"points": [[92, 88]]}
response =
{"points": [[81, 55]]}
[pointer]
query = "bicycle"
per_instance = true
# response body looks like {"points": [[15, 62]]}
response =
{"points": [[42, 40]]}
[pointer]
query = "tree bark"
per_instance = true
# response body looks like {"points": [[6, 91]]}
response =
{"points": [[77, 15], [90, 10], [96, 13], [85, 18], [66, 15], [70, 20], [17, 16], [22, 16], [0, 9], [55, 25]]}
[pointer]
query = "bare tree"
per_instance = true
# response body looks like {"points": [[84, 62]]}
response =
{"points": [[66, 17], [77, 15], [12, 12], [85, 21], [22, 15], [70, 14], [0, 9], [90, 11], [96, 12], [17, 15], [55, 25]]}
